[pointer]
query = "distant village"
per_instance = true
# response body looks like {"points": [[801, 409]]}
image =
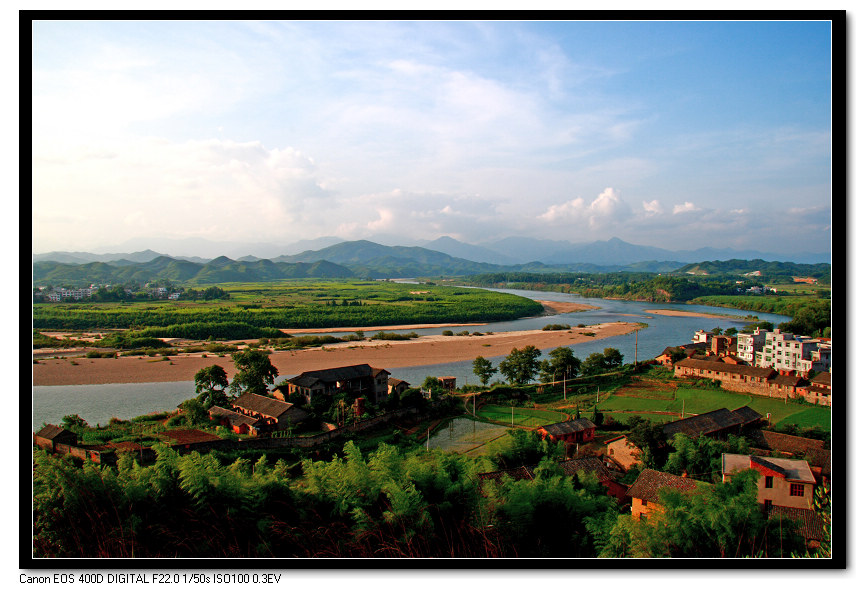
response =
{"points": [[768, 363]]}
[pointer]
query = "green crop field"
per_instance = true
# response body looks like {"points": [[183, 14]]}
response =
{"points": [[521, 415], [699, 400]]}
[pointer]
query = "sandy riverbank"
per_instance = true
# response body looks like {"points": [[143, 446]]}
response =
{"points": [[675, 313], [422, 351]]}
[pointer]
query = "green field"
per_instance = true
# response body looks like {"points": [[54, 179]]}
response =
{"points": [[697, 400], [521, 416], [297, 304]]}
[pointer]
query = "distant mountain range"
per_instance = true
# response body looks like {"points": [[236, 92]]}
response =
{"points": [[443, 257]]}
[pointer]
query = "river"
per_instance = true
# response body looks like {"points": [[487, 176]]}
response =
{"points": [[96, 404]]}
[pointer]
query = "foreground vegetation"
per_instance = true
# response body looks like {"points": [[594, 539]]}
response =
{"points": [[390, 502]]}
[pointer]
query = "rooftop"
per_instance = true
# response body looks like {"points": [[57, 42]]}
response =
{"points": [[791, 469], [650, 482], [568, 427]]}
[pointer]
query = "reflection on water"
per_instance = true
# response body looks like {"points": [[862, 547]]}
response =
{"points": [[463, 434], [99, 403]]}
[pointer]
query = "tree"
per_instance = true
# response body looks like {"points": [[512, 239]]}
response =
{"points": [[521, 366], [731, 331], [484, 369], [561, 364], [210, 385], [254, 372], [598, 363], [194, 412], [73, 421]]}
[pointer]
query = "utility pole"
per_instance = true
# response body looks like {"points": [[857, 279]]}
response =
{"points": [[683, 408]]}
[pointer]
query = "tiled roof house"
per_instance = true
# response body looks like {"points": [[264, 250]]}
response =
{"points": [[645, 492]]}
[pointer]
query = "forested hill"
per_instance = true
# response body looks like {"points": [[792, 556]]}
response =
{"points": [[164, 268], [777, 270]]}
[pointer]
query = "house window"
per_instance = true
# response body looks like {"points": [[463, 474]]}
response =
{"points": [[769, 482], [767, 503], [797, 490], [644, 502]]}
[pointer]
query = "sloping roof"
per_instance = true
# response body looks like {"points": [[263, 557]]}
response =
{"points": [[822, 378], [261, 404], [329, 375], [126, 446], [396, 381], [188, 436], [808, 523], [711, 422], [741, 369], [49, 432], [233, 418], [784, 442], [650, 482], [568, 427], [787, 380], [791, 468], [747, 415], [591, 464], [520, 473]]}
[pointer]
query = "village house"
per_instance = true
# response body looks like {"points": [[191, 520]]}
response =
{"points": [[752, 380], [51, 435], [395, 386], [623, 453], [820, 389], [606, 476], [690, 351], [192, 440], [807, 523], [574, 431], [237, 422], [270, 414], [716, 424], [645, 493], [766, 443], [787, 482], [355, 381]]}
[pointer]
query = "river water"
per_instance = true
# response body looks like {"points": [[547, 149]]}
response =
{"points": [[97, 404]]}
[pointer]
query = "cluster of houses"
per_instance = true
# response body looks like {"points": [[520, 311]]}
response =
{"points": [[60, 294], [767, 363], [789, 467]]}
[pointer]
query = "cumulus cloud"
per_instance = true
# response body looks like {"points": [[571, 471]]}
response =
{"points": [[606, 207], [686, 207], [653, 208]]}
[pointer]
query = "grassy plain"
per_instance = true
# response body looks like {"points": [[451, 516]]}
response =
{"points": [[297, 304]]}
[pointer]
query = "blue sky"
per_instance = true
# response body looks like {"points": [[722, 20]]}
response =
{"points": [[677, 135]]}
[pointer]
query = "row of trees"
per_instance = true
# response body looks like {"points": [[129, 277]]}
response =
{"points": [[391, 502], [522, 365]]}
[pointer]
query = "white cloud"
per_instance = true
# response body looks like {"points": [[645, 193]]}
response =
{"points": [[606, 207], [653, 208], [196, 188], [686, 207]]}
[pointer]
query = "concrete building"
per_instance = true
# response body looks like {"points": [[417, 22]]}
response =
{"points": [[788, 353], [785, 482]]}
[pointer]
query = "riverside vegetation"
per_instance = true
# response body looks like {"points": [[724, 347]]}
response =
{"points": [[260, 310]]}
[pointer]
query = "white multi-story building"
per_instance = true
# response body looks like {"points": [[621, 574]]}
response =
{"points": [[789, 353], [748, 344]]}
